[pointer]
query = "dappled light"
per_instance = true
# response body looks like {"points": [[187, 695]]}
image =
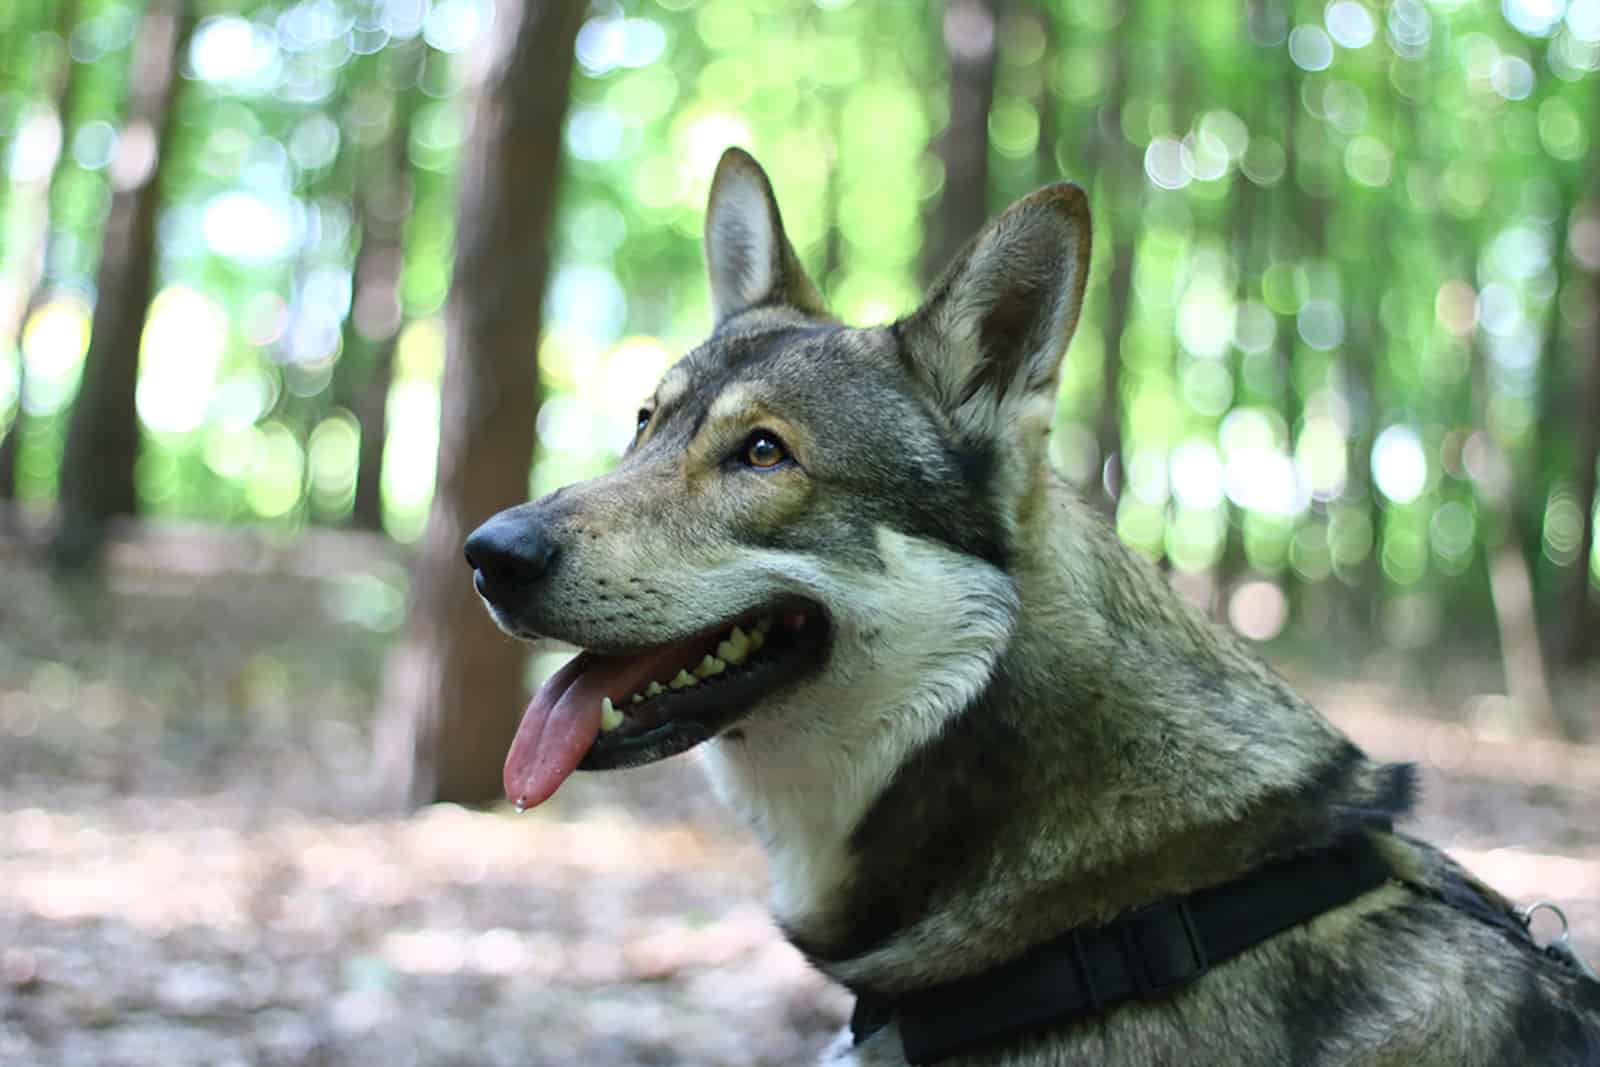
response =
{"points": [[1259, 295]]}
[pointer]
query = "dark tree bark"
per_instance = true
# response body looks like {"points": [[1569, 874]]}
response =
{"points": [[970, 31], [372, 330], [103, 429], [1522, 652], [1246, 207], [1120, 182], [1108, 428], [832, 198], [454, 689], [63, 91], [1046, 168], [1577, 641]]}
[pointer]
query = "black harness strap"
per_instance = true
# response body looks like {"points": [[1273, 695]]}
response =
{"points": [[1146, 954]]}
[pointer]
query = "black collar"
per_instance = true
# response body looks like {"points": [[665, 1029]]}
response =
{"points": [[1145, 954]]}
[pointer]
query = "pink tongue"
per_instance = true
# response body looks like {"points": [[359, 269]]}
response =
{"points": [[563, 719], [557, 729]]}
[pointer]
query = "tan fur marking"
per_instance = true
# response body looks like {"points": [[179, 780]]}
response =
{"points": [[673, 385], [733, 404]]}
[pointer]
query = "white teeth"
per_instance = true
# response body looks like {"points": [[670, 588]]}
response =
{"points": [[610, 717], [636, 699], [709, 666], [757, 639], [738, 647], [683, 680], [654, 689]]}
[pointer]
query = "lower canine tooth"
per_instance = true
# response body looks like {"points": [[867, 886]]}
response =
{"points": [[610, 717], [636, 699], [683, 680], [709, 666], [653, 689]]}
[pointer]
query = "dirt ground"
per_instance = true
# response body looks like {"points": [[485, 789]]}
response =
{"points": [[190, 874]]}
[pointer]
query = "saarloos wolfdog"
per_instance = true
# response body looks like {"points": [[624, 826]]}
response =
{"points": [[1022, 799]]}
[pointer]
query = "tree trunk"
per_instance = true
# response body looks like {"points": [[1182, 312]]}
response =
{"points": [[103, 429], [832, 196], [371, 409], [1122, 188], [1577, 640], [1510, 581], [63, 92], [371, 331], [1119, 304], [1046, 168], [454, 689], [970, 31]]}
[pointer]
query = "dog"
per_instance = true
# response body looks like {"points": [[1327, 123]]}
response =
{"points": [[1020, 797]]}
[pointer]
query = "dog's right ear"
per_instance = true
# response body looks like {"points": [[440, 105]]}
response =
{"points": [[748, 256], [990, 338]]}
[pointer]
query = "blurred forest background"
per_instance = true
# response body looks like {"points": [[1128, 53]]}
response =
{"points": [[294, 293]]}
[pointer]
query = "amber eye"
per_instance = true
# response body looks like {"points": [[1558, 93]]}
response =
{"points": [[763, 450]]}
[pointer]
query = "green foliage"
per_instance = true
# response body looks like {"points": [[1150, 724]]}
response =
{"points": [[1361, 242]]}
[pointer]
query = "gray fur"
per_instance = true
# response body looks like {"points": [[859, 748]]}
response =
{"points": [[1019, 727]]}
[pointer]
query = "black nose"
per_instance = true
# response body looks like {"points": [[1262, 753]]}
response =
{"points": [[509, 551]]}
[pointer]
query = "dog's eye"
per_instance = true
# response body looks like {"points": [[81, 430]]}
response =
{"points": [[644, 420], [763, 450]]}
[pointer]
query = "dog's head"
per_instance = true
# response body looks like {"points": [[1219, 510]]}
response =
{"points": [[808, 512]]}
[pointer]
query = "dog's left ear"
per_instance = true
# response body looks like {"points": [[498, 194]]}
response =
{"points": [[994, 327], [748, 256]]}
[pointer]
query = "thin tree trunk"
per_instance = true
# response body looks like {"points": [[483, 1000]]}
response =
{"points": [[1046, 168], [372, 330], [103, 429], [454, 689], [1510, 582], [1246, 204], [1122, 188], [970, 32], [371, 410], [1119, 305], [1543, 454], [1578, 639], [833, 195], [63, 93]]}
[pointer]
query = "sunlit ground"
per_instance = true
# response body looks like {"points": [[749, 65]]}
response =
{"points": [[188, 874]]}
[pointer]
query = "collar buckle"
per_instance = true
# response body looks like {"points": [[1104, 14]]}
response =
{"points": [[1161, 948]]}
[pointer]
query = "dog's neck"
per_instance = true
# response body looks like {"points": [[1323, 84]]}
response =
{"points": [[1123, 750]]}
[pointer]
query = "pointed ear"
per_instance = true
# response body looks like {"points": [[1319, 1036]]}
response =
{"points": [[748, 256], [994, 327]]}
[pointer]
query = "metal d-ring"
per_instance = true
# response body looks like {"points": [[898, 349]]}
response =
{"points": [[1525, 916], [1560, 946]]}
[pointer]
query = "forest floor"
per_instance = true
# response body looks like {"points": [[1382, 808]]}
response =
{"points": [[190, 872]]}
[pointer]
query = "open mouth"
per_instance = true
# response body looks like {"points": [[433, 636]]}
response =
{"points": [[604, 710]]}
